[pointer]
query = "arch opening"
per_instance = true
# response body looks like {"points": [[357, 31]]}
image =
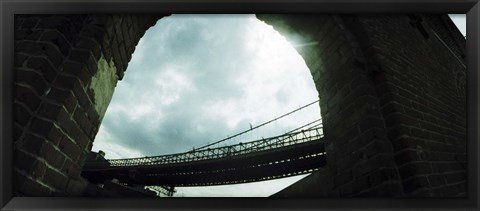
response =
{"points": [[374, 120], [195, 79]]}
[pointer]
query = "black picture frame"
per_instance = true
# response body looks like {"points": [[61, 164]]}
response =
{"points": [[8, 8]]}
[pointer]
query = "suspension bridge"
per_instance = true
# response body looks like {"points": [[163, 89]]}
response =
{"points": [[298, 151]]}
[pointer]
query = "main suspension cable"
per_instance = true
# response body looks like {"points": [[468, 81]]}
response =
{"points": [[253, 128]]}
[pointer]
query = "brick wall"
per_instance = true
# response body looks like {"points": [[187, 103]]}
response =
{"points": [[359, 153], [421, 88], [392, 97], [56, 103], [391, 88]]}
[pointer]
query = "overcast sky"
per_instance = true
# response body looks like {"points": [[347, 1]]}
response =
{"points": [[460, 21], [195, 79]]}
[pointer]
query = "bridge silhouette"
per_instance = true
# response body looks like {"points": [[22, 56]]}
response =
{"points": [[298, 151]]}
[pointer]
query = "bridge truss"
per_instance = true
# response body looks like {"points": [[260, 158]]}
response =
{"points": [[298, 151]]}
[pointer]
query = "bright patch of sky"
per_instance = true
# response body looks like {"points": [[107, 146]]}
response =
{"points": [[460, 22], [195, 79]]}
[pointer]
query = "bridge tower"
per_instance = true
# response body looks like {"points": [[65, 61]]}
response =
{"points": [[392, 95]]}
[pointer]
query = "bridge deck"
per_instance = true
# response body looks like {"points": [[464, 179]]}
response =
{"points": [[275, 157]]}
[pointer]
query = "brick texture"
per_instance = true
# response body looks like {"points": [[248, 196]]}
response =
{"points": [[391, 88], [56, 122], [392, 99]]}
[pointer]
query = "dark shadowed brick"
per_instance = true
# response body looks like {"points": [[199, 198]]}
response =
{"points": [[75, 187], [52, 156], [20, 59], [21, 114], [63, 97], [34, 188], [27, 96], [415, 183], [406, 155], [29, 23], [32, 78], [43, 66], [342, 178], [70, 149], [416, 168], [58, 180], [27, 34], [74, 171], [24, 161], [33, 144], [50, 110], [57, 39]]}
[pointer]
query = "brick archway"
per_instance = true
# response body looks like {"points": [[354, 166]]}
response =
{"points": [[393, 117]]}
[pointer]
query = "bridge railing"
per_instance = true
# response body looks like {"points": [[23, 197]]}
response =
{"points": [[287, 139]]}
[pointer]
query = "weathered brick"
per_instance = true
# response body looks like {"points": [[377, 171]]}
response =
{"points": [[383, 190], [348, 135], [422, 193], [76, 187], [56, 179], [43, 66], [369, 123], [20, 59], [415, 183], [31, 78], [47, 49], [38, 170], [377, 146], [450, 191], [461, 157], [66, 165], [27, 34], [24, 161], [373, 164], [41, 127], [82, 97], [21, 114], [50, 110], [90, 44], [396, 132], [117, 58], [52, 156], [33, 144], [63, 97], [342, 178], [397, 118], [98, 33], [70, 149], [74, 171], [456, 177], [34, 188], [81, 119], [80, 55], [52, 22], [392, 107], [414, 168], [360, 184], [420, 133], [57, 39], [29, 23], [17, 132], [436, 180], [27, 96], [69, 29]]}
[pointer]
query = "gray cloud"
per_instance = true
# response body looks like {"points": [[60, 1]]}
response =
{"points": [[206, 55], [194, 80]]}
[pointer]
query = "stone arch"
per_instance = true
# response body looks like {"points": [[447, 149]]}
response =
{"points": [[381, 138]]}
